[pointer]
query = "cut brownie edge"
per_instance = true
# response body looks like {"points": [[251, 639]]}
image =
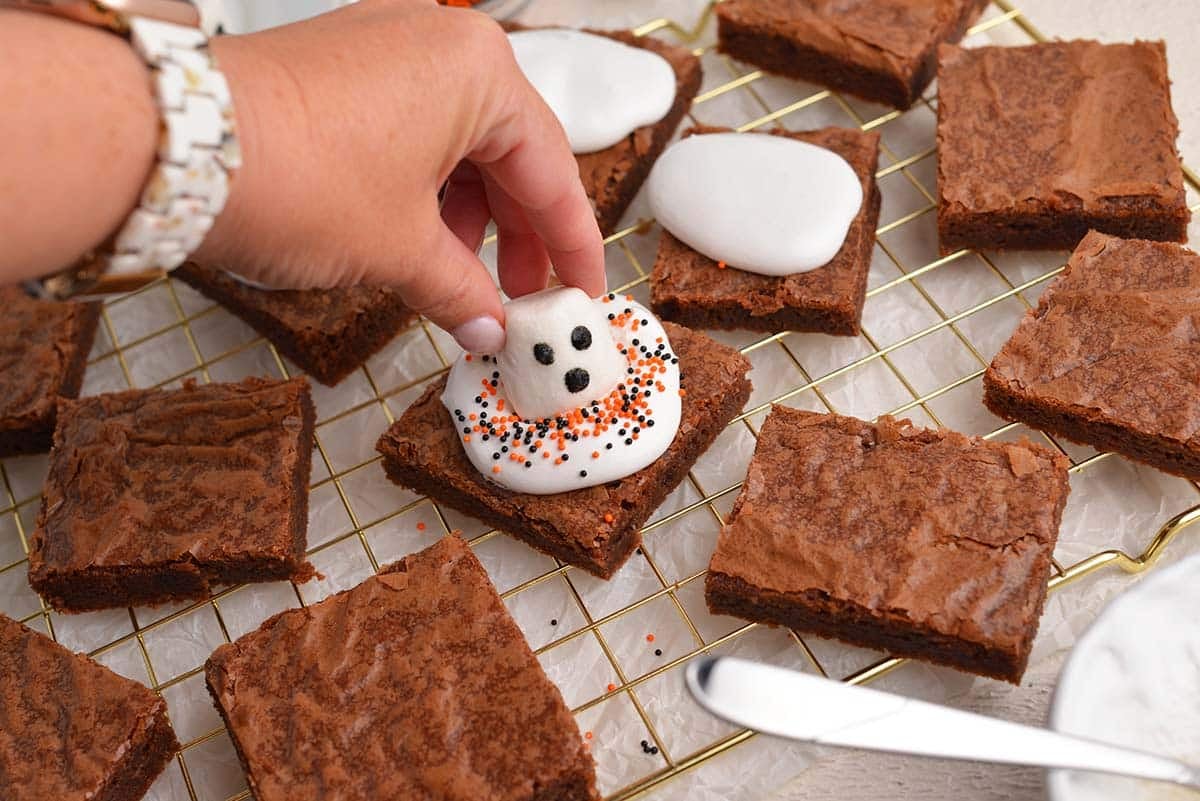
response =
{"points": [[186, 579], [779, 54], [1055, 230], [150, 751], [455, 482], [327, 357], [814, 612], [1081, 425]]}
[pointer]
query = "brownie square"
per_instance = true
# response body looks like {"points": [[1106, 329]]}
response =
{"points": [[416, 684], [72, 730], [613, 176], [1109, 357], [43, 349], [880, 50], [153, 495], [926, 544], [329, 333], [595, 528], [1039, 144], [689, 288]]}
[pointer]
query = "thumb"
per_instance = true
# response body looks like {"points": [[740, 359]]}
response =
{"points": [[455, 291]]}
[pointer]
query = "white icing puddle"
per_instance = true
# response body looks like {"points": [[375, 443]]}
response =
{"points": [[600, 89], [760, 203]]}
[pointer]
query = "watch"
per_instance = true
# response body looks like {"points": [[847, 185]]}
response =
{"points": [[197, 154]]}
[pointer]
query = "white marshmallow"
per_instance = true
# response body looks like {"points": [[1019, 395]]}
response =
{"points": [[559, 353]]}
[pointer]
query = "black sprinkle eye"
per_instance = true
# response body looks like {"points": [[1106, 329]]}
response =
{"points": [[543, 353], [581, 337], [577, 379]]}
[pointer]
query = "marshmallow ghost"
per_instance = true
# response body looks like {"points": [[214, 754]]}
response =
{"points": [[559, 353], [585, 392]]}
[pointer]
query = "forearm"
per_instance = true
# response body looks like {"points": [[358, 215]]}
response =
{"points": [[79, 131]]}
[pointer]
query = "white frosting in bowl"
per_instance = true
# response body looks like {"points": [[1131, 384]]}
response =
{"points": [[597, 439], [760, 203], [600, 89], [1133, 679]]}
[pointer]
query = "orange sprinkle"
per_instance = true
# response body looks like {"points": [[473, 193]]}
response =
{"points": [[471, 416], [496, 469], [500, 405], [587, 735], [612, 687], [649, 638], [420, 526], [468, 357], [683, 393], [467, 438], [545, 454], [721, 265], [595, 454], [608, 518]]}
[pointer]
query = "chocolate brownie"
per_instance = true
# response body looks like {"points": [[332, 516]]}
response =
{"points": [[689, 288], [43, 349], [329, 333], [1110, 356], [72, 730], [595, 528], [927, 544], [1039, 144], [881, 50], [614, 175], [153, 495], [415, 684]]}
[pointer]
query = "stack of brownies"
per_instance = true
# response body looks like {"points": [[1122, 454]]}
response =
{"points": [[417, 683]]}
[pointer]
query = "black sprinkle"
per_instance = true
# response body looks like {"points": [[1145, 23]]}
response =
{"points": [[554, 621], [566, 456], [496, 456], [466, 429], [627, 441], [658, 652], [650, 422], [608, 447], [529, 464], [583, 474]]}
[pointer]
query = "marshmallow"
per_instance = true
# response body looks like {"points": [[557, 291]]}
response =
{"points": [[559, 353]]}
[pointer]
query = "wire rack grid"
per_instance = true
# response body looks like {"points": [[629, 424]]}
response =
{"points": [[595, 639]]}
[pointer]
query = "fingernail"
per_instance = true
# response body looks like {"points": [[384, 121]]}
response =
{"points": [[480, 335]]}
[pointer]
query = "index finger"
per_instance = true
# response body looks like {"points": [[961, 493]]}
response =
{"points": [[526, 154]]}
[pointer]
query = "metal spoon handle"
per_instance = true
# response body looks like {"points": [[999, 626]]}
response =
{"points": [[790, 704]]}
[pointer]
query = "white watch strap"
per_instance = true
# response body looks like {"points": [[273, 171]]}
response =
{"points": [[197, 153]]}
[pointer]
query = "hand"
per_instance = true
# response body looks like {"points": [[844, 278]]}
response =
{"points": [[351, 122]]}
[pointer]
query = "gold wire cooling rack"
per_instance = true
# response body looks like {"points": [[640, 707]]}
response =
{"points": [[180, 316]]}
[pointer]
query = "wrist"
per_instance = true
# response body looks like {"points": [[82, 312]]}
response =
{"points": [[87, 118], [258, 96]]}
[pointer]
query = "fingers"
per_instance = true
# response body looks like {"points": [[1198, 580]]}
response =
{"points": [[454, 290], [522, 262], [465, 206], [527, 156]]}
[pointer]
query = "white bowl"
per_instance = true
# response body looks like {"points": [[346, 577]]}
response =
{"points": [[1134, 679]]}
